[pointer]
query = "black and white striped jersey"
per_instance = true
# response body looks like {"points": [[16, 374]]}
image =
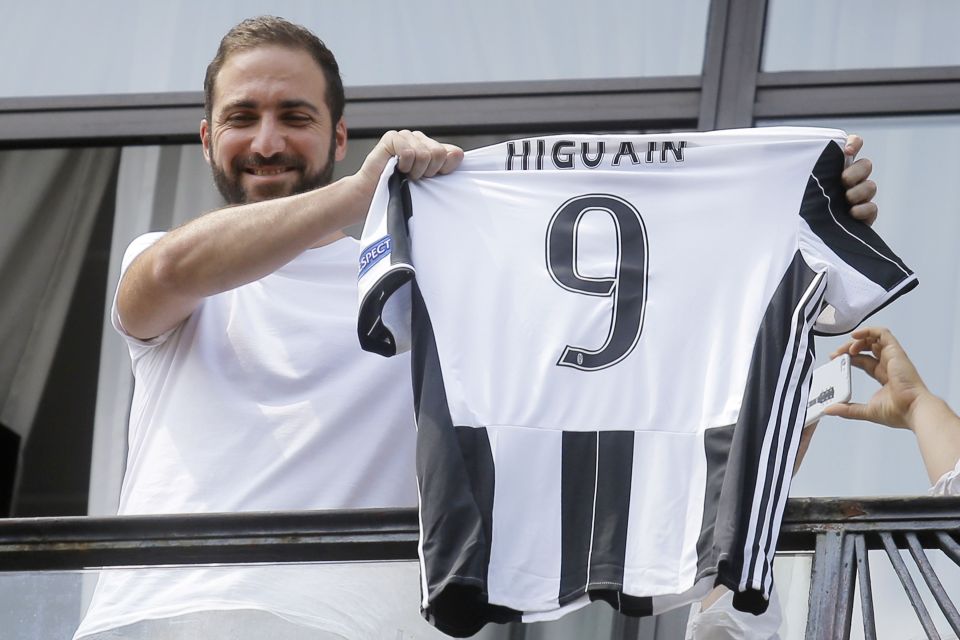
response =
{"points": [[612, 341]]}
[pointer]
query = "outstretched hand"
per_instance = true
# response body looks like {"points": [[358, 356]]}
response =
{"points": [[860, 190], [877, 352]]}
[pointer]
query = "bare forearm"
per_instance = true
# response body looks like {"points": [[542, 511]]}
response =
{"points": [[231, 247], [938, 434], [236, 245]]}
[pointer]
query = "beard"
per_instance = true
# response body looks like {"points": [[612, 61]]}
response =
{"points": [[231, 185]]}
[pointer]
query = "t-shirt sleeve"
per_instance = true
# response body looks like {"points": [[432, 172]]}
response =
{"points": [[948, 484], [863, 274], [136, 345], [386, 269]]}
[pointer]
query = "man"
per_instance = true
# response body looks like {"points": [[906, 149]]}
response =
{"points": [[252, 392]]}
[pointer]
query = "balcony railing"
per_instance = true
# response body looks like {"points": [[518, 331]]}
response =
{"points": [[838, 532]]}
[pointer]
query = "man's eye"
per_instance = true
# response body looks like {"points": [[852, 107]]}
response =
{"points": [[240, 118], [298, 118]]}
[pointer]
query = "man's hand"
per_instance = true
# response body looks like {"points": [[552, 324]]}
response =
{"points": [[417, 155], [877, 352], [860, 190]]}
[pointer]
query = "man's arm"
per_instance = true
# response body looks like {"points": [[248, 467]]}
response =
{"points": [[236, 245]]}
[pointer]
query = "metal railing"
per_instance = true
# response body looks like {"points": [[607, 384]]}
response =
{"points": [[839, 533], [842, 531]]}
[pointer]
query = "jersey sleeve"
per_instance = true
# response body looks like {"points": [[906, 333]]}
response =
{"points": [[136, 346], [386, 269], [863, 274]]}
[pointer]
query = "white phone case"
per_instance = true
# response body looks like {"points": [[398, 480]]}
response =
{"points": [[831, 384]]}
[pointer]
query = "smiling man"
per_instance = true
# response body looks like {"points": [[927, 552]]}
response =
{"points": [[252, 393], [277, 130]]}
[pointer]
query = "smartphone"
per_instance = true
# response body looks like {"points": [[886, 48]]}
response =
{"points": [[831, 384]]}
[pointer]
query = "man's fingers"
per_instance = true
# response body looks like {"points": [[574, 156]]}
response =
{"points": [[417, 155], [862, 193], [856, 172], [866, 212], [420, 156], [414, 152], [437, 154], [413, 156], [453, 156], [854, 144]]}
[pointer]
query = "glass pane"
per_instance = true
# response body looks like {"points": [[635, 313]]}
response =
{"points": [[913, 159], [41, 604], [253, 602], [791, 579], [165, 46], [860, 34], [329, 601]]}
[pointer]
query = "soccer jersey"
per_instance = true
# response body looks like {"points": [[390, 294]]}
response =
{"points": [[612, 341]]}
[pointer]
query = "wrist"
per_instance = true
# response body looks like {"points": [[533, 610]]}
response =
{"points": [[358, 195], [922, 410]]}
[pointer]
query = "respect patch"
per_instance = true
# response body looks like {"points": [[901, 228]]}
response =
{"points": [[373, 254]]}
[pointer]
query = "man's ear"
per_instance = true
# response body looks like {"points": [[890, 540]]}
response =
{"points": [[340, 139], [205, 139]]}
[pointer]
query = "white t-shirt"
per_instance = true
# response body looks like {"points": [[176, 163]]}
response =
{"points": [[263, 400], [612, 343]]}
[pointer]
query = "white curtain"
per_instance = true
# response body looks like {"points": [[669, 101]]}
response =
{"points": [[50, 202], [51, 199], [158, 188]]}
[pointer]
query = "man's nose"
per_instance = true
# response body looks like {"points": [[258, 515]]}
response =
{"points": [[269, 139]]}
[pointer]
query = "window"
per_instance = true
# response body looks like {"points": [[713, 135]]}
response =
{"points": [[122, 47], [819, 35]]}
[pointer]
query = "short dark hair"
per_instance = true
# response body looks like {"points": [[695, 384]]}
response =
{"points": [[271, 30]]}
